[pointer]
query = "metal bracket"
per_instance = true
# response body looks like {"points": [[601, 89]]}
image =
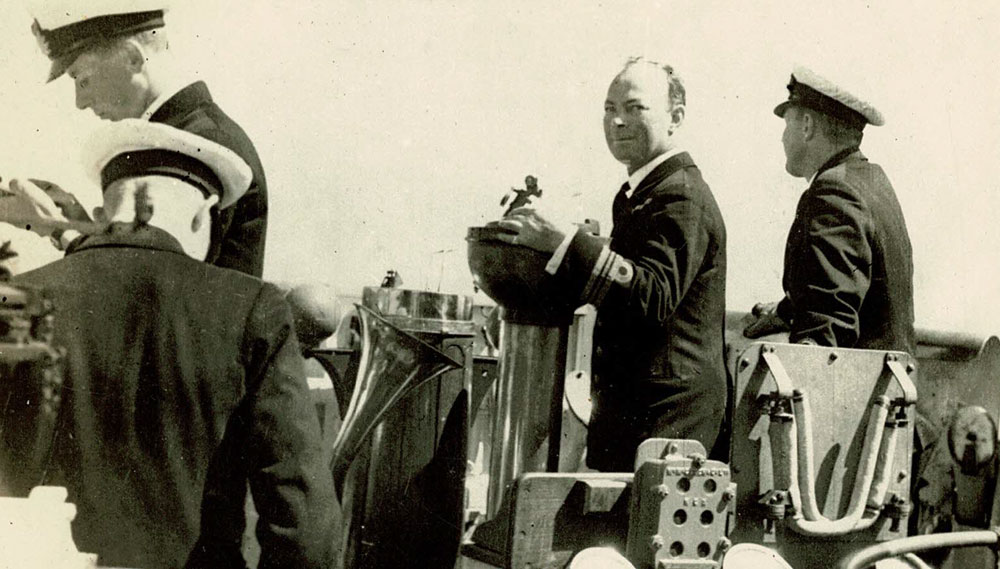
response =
{"points": [[898, 372], [782, 380]]}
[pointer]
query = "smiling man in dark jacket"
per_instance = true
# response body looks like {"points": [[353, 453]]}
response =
{"points": [[659, 285]]}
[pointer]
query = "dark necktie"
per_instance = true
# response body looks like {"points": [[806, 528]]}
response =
{"points": [[620, 204]]}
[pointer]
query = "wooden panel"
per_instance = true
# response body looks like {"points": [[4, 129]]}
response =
{"points": [[557, 515]]}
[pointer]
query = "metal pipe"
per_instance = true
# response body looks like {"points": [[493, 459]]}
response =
{"points": [[943, 339], [867, 465], [806, 470], [784, 453], [855, 519], [529, 390], [916, 562], [883, 467], [897, 547]]}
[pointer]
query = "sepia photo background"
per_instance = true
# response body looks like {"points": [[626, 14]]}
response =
{"points": [[389, 127]]}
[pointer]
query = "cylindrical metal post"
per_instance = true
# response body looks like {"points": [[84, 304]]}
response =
{"points": [[529, 392]]}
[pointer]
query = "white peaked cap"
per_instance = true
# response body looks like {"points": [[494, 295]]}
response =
{"points": [[134, 147]]}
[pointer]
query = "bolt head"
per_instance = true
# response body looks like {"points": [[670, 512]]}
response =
{"points": [[656, 543], [662, 491], [724, 545]]}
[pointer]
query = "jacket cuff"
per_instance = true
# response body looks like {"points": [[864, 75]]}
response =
{"points": [[594, 268]]}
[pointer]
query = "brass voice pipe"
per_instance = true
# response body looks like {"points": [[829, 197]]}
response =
{"points": [[882, 454], [786, 469], [884, 466]]}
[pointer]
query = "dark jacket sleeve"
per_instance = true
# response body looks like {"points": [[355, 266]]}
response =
{"points": [[243, 228], [829, 274], [291, 486], [646, 284]]}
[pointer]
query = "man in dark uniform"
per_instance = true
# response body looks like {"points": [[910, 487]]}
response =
{"points": [[117, 54], [659, 285], [183, 381], [848, 276]]}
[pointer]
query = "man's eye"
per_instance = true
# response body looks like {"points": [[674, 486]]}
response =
{"points": [[83, 82], [636, 108]]}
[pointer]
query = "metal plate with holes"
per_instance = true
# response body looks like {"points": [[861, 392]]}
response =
{"points": [[681, 513]]}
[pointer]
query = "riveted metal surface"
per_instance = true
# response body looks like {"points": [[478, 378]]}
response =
{"points": [[842, 384]]}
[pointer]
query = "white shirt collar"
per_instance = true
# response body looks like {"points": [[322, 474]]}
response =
{"points": [[639, 175], [172, 89]]}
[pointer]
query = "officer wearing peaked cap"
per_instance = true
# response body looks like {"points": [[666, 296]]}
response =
{"points": [[183, 382], [848, 274], [117, 54]]}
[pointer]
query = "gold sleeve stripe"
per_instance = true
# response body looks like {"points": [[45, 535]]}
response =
{"points": [[611, 268], [595, 274]]}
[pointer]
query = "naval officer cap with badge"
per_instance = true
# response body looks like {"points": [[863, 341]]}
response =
{"points": [[848, 275], [117, 54], [101, 44], [67, 30]]}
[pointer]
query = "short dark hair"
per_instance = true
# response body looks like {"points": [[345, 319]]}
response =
{"points": [[153, 40], [838, 131], [676, 92]]}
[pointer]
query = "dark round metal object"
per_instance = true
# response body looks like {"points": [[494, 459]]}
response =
{"points": [[515, 278]]}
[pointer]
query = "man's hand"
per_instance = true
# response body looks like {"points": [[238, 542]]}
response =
{"points": [[35, 210], [66, 201], [529, 229], [764, 321]]}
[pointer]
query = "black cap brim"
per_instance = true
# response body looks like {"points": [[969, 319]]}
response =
{"points": [[782, 108], [61, 64]]}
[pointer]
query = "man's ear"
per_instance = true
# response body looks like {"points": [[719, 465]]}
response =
{"points": [[677, 114], [809, 125], [203, 217], [135, 55]]}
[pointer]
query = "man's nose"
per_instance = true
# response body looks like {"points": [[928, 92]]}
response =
{"points": [[82, 100], [617, 121]]}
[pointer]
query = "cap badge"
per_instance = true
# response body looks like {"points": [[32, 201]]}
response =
{"points": [[43, 42]]}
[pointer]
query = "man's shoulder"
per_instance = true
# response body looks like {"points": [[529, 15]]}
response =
{"points": [[855, 182], [113, 264], [194, 110], [851, 173], [685, 184]]}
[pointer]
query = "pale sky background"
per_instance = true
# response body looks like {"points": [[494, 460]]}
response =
{"points": [[387, 128]]}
